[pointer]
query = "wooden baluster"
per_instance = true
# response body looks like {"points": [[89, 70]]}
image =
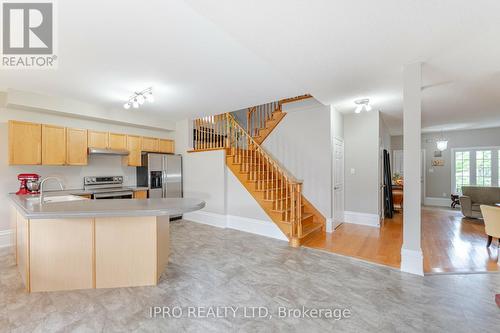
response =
{"points": [[195, 134], [286, 200], [292, 207]]}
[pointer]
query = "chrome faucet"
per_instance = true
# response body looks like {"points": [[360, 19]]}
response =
{"points": [[43, 182]]}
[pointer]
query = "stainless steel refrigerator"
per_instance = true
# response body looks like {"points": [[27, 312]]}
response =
{"points": [[162, 174]]}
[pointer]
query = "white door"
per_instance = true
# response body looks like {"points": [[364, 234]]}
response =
{"points": [[338, 182]]}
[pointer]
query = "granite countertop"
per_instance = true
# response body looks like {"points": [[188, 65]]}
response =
{"points": [[30, 208]]}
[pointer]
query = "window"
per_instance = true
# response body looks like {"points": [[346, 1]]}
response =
{"points": [[483, 167], [462, 170], [475, 166]]}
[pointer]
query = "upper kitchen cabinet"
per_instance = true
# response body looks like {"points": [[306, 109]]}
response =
{"points": [[134, 146], [166, 146], [25, 143], [53, 145], [98, 139], [117, 141], [150, 144], [76, 146]]}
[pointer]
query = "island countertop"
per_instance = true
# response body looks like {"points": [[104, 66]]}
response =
{"points": [[31, 209]]}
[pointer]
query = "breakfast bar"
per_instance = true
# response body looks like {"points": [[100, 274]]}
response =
{"points": [[69, 242]]}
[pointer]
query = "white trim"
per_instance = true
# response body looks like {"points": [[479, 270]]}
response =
{"points": [[412, 261], [329, 225], [436, 201], [253, 226], [213, 219], [362, 218], [6, 238]]}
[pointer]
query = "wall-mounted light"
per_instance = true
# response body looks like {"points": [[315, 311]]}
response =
{"points": [[362, 104], [139, 98], [442, 143]]}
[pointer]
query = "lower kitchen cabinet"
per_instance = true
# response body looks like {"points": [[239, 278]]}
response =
{"points": [[140, 194]]}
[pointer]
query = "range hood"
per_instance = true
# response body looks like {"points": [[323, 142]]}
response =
{"points": [[101, 151]]}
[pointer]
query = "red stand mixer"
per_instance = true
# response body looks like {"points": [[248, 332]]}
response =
{"points": [[30, 183]]}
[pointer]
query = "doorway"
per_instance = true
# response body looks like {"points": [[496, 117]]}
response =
{"points": [[338, 182]]}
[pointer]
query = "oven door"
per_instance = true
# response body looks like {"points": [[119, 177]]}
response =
{"points": [[114, 195]]}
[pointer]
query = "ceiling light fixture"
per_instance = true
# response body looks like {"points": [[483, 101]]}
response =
{"points": [[362, 104], [442, 143], [138, 98]]}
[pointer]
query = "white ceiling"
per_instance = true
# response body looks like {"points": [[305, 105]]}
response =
{"points": [[207, 57]]}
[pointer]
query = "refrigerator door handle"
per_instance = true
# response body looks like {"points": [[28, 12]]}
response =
{"points": [[165, 176]]}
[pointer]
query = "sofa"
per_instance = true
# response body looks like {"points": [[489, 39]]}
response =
{"points": [[474, 196]]}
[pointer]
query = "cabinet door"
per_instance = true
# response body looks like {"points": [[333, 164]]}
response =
{"points": [[134, 145], [140, 194], [25, 143], [76, 146], [117, 141], [150, 144], [167, 146], [53, 145], [98, 139]]}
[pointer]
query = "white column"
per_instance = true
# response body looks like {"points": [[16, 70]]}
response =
{"points": [[411, 252]]}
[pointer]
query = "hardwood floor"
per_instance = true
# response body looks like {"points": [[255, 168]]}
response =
{"points": [[450, 243]]}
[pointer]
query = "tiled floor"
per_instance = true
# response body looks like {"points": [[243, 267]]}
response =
{"points": [[450, 242], [215, 267]]}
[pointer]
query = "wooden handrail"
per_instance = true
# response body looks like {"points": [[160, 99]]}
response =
{"points": [[277, 185], [262, 151]]}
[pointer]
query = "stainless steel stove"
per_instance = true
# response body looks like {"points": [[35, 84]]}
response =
{"points": [[109, 187]]}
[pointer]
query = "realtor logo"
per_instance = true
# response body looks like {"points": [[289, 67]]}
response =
{"points": [[28, 34]]}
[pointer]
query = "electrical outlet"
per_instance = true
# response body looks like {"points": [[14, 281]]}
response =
{"points": [[353, 171], [445, 194]]}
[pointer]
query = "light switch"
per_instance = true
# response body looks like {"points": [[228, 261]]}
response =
{"points": [[353, 171]]}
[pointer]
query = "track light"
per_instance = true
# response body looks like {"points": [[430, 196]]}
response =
{"points": [[362, 104], [139, 98]]}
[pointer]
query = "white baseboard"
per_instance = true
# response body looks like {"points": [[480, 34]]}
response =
{"points": [[254, 226], [412, 261], [213, 219], [329, 225], [6, 238], [436, 201], [372, 220]]}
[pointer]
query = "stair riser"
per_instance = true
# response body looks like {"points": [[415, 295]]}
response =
{"points": [[283, 216]]}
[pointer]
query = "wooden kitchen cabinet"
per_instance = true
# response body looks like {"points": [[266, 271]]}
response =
{"points": [[76, 146], [166, 146], [150, 144], [53, 145], [134, 146], [25, 143], [98, 139], [117, 141], [140, 194]]}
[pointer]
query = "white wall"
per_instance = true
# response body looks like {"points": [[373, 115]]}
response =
{"points": [[72, 176], [361, 146], [302, 144]]}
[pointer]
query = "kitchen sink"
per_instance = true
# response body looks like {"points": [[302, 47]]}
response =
{"points": [[56, 198]]}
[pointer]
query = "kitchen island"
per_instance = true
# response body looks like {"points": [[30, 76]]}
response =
{"points": [[74, 243]]}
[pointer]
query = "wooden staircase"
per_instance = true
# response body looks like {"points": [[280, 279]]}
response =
{"points": [[263, 119], [276, 191]]}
